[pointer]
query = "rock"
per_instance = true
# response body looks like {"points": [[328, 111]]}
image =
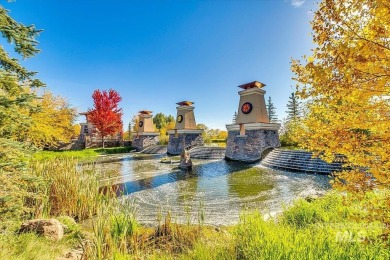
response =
{"points": [[311, 198], [185, 160], [49, 228]]}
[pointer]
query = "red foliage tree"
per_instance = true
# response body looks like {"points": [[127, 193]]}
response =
{"points": [[106, 116]]}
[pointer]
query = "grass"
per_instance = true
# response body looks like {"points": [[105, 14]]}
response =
{"points": [[336, 226], [86, 154]]}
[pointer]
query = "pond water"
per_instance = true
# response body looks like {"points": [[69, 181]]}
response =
{"points": [[215, 192]]}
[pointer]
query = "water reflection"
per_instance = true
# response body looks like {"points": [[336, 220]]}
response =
{"points": [[221, 189]]}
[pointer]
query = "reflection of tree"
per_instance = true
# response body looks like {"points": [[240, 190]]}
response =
{"points": [[187, 192], [250, 182]]}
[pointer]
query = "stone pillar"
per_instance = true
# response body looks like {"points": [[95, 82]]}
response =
{"points": [[185, 135], [143, 140], [252, 133], [145, 136]]}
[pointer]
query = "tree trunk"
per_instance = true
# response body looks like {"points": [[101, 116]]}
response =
{"points": [[103, 141]]}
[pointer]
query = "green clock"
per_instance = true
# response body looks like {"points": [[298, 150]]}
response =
{"points": [[179, 118]]}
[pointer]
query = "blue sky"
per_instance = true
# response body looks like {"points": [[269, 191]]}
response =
{"points": [[157, 53]]}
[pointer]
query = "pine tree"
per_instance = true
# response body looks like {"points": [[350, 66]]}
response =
{"points": [[272, 116], [234, 118], [293, 108], [15, 80]]}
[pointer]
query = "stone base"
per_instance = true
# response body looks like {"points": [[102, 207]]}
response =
{"points": [[143, 141], [249, 147], [183, 140]]}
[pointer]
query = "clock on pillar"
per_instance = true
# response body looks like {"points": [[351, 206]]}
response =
{"points": [[252, 132], [145, 135], [185, 134]]}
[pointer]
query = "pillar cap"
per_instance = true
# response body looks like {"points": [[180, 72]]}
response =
{"points": [[185, 103], [253, 84], [145, 112]]}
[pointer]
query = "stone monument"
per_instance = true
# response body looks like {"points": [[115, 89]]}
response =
{"points": [[185, 160], [252, 132], [185, 135], [146, 135]]}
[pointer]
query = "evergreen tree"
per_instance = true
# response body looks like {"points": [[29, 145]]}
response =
{"points": [[15, 80], [272, 116], [293, 108], [16, 95], [234, 118]]}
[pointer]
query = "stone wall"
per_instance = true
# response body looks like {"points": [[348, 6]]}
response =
{"points": [[249, 148], [143, 141], [175, 144], [107, 144]]}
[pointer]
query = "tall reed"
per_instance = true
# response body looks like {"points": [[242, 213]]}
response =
{"points": [[70, 190]]}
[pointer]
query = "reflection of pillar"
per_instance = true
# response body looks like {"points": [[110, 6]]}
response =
{"points": [[185, 134], [252, 133], [145, 136]]}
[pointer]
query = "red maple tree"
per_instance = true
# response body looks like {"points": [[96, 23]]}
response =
{"points": [[106, 116]]}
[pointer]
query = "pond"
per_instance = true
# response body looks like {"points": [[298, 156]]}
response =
{"points": [[215, 192]]}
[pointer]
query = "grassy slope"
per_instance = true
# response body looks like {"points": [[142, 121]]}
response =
{"points": [[86, 154], [318, 230]]}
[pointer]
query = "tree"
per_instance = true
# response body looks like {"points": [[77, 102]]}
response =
{"points": [[161, 120], [346, 83], [135, 123], [15, 80], [234, 118], [272, 116], [52, 123], [15, 96], [293, 108], [106, 116], [222, 135]]}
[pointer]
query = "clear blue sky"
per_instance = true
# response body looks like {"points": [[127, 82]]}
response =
{"points": [[157, 53]]}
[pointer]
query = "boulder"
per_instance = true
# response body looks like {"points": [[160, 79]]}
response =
{"points": [[49, 228]]}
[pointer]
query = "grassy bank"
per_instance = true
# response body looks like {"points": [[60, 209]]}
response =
{"points": [[86, 154], [336, 226]]}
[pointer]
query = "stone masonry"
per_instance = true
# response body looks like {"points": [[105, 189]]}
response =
{"points": [[143, 141], [249, 147], [187, 140]]}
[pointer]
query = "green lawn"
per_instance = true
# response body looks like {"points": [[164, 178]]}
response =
{"points": [[85, 154]]}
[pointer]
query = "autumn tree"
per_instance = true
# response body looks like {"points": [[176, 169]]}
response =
{"points": [[106, 116], [272, 116], [52, 122], [345, 81]]}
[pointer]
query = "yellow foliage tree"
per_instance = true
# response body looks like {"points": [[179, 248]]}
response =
{"points": [[346, 82], [52, 123]]}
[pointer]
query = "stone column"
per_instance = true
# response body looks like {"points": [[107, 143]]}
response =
{"points": [[252, 133], [184, 139], [249, 147]]}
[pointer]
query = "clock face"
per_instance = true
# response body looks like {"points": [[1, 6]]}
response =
{"points": [[141, 123], [246, 108], [180, 119]]}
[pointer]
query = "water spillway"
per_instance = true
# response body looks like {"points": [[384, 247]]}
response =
{"points": [[155, 149], [295, 160], [205, 152]]}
